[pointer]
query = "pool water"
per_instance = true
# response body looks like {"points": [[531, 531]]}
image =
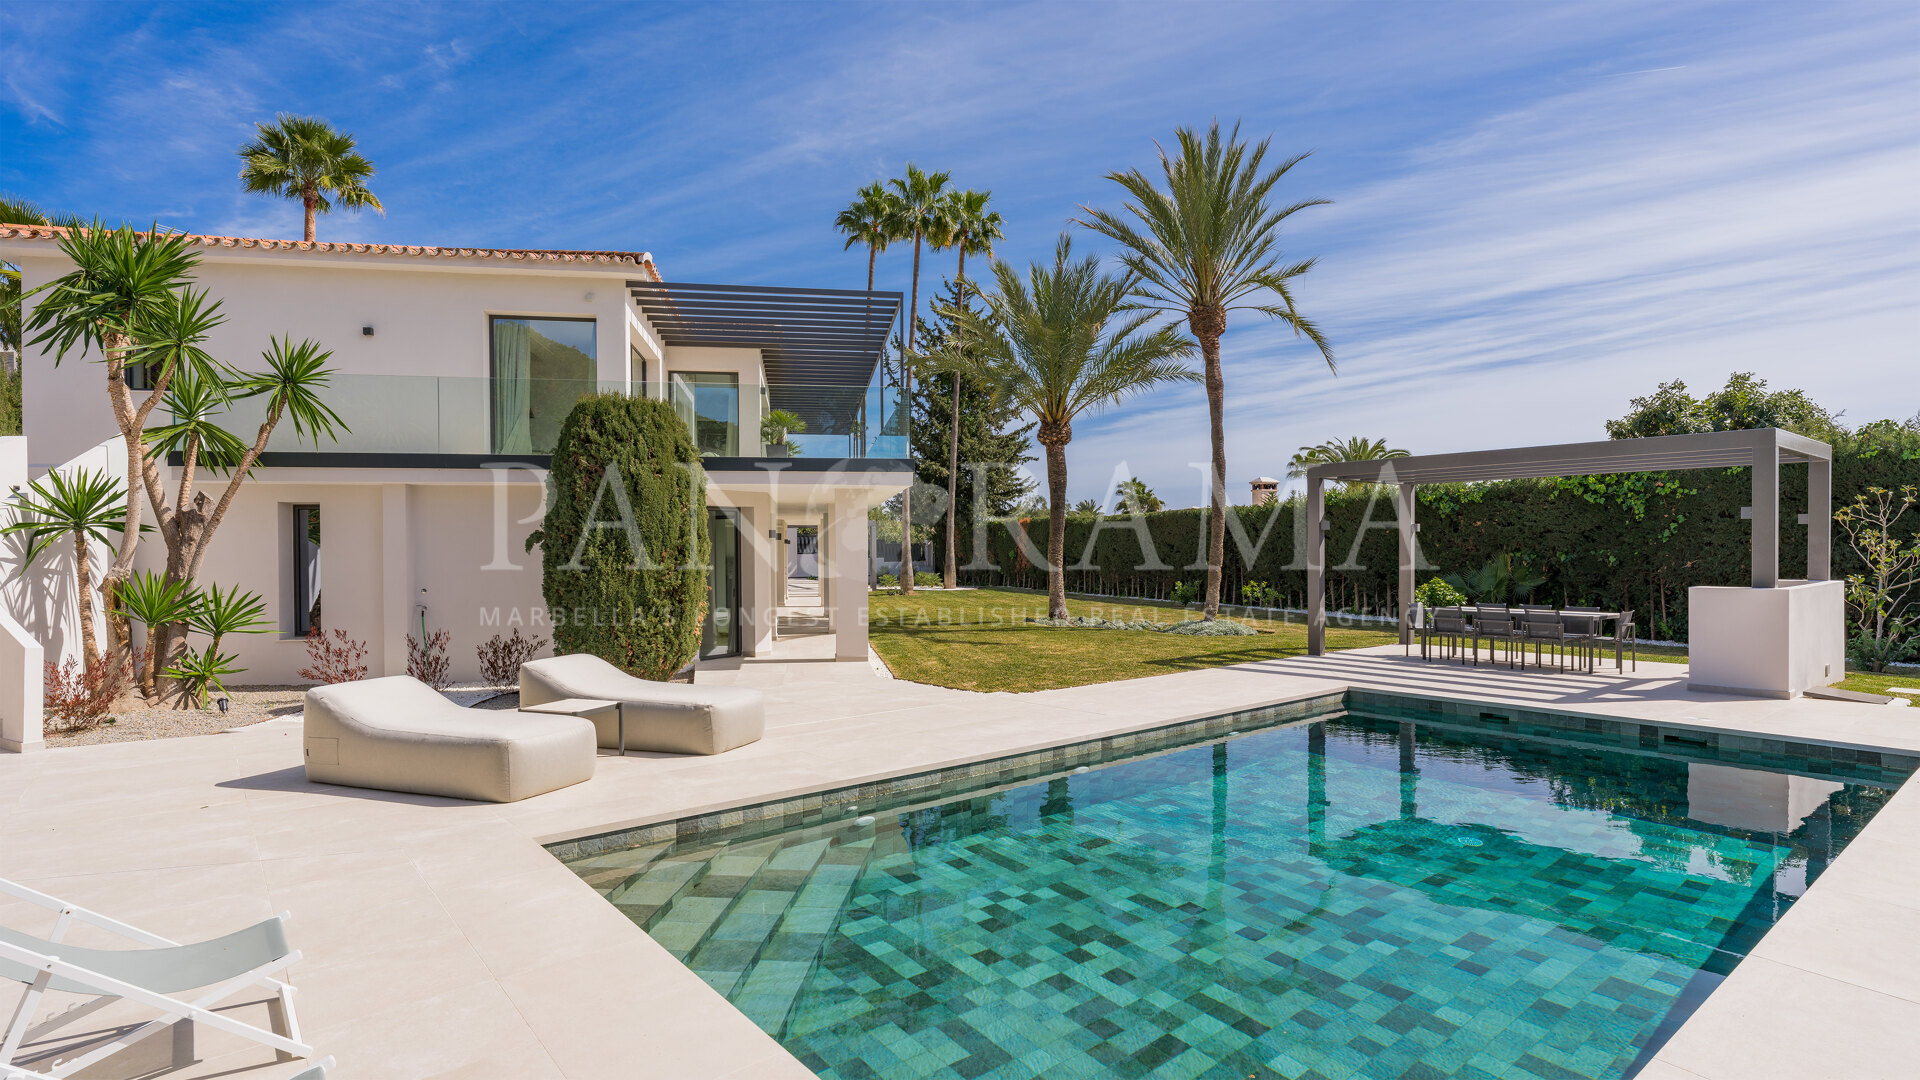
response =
{"points": [[1359, 896]]}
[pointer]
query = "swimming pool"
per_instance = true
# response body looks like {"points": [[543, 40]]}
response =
{"points": [[1365, 888]]}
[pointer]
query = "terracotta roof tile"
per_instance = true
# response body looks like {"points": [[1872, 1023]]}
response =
{"points": [[416, 251]]}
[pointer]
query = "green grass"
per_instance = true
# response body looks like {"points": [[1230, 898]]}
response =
{"points": [[979, 639], [1867, 682]]}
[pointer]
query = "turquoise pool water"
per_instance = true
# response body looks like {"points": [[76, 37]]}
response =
{"points": [[1368, 895]]}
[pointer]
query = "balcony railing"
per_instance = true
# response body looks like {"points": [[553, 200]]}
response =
{"points": [[473, 417]]}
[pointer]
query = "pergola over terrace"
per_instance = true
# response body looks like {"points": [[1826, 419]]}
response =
{"points": [[1765, 449]]}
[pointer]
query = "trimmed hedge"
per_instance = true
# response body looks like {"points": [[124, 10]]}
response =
{"points": [[1634, 541], [624, 471]]}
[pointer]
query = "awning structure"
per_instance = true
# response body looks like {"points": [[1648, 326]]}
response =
{"points": [[820, 346], [1764, 449]]}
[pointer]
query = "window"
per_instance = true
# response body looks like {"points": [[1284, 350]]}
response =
{"points": [[306, 569], [540, 368], [138, 376], [709, 402], [637, 372]]}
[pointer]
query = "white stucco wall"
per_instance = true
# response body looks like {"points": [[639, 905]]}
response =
{"points": [[429, 319], [1774, 642]]}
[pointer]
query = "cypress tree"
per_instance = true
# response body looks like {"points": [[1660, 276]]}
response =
{"points": [[624, 547], [991, 436]]}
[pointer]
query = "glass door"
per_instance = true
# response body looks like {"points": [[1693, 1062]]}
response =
{"points": [[721, 635]]}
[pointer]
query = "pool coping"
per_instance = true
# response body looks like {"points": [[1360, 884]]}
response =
{"points": [[1696, 1050]]}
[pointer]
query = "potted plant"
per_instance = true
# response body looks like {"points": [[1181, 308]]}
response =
{"points": [[775, 426]]}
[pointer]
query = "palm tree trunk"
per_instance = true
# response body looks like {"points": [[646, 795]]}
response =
{"points": [[308, 199], [950, 578], [1207, 326], [83, 584], [1056, 524], [906, 382]]}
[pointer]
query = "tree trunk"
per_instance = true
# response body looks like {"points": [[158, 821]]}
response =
{"points": [[906, 383], [1207, 325], [83, 583], [1054, 437], [950, 578], [308, 199]]}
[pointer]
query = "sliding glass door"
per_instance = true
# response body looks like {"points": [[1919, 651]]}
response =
{"points": [[540, 368], [721, 635]]}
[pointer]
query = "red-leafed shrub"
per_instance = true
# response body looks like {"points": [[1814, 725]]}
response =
{"points": [[427, 660], [335, 658], [501, 657], [80, 699]]}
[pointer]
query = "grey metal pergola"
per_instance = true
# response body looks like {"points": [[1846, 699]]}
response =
{"points": [[1763, 448]]}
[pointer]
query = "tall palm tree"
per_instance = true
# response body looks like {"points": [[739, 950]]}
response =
{"points": [[973, 230], [85, 508], [1064, 343], [1204, 246], [871, 219], [922, 212], [302, 157]]}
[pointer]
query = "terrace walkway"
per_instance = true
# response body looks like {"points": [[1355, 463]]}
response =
{"points": [[441, 940]]}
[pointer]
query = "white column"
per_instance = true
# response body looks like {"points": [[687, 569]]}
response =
{"points": [[759, 576], [1316, 567], [782, 555], [397, 591], [1766, 510], [847, 567], [22, 688]]}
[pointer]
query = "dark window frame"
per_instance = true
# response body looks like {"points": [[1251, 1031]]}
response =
{"points": [[302, 603]]}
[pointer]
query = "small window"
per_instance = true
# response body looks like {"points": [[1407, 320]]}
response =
{"points": [[709, 403], [138, 376], [306, 569]]}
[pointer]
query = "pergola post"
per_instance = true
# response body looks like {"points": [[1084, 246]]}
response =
{"points": [[1316, 566], [1409, 547], [1766, 510], [1820, 520]]}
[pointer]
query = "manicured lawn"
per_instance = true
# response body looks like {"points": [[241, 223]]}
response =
{"points": [[979, 639], [1868, 683]]}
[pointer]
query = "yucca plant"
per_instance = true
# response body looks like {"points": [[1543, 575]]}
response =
{"points": [[153, 601], [200, 670], [82, 506]]}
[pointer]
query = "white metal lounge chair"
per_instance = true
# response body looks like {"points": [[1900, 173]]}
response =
{"points": [[159, 976]]}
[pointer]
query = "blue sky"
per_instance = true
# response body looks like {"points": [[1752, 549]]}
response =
{"points": [[1540, 210]]}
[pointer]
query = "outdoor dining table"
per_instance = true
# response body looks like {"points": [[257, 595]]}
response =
{"points": [[1603, 618]]}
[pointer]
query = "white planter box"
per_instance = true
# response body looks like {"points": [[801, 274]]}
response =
{"points": [[1768, 642]]}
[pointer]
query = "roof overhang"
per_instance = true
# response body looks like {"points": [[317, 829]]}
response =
{"points": [[818, 345], [1710, 450]]}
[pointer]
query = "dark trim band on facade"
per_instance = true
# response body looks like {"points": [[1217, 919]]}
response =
{"points": [[308, 459]]}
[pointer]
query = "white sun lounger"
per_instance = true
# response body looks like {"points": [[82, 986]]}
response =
{"points": [[673, 718], [159, 976]]}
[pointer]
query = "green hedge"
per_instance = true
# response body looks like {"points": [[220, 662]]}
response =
{"points": [[1636, 541], [642, 614]]}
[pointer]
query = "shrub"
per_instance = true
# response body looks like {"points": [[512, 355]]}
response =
{"points": [[624, 547], [1437, 593], [501, 657], [1185, 592], [1259, 594], [926, 579], [427, 660], [80, 698], [889, 581], [201, 669], [334, 659]]}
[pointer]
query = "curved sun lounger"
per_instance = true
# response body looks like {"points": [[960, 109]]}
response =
{"points": [[399, 734], [158, 975], [672, 718]]}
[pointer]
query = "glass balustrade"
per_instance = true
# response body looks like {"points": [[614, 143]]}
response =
{"points": [[477, 417]]}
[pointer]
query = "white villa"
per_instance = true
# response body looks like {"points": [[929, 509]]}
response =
{"points": [[454, 368]]}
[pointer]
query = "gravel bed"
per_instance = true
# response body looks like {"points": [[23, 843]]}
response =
{"points": [[248, 705]]}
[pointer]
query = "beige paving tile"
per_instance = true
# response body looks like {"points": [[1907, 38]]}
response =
{"points": [[1769, 1021], [1865, 941], [473, 1032]]}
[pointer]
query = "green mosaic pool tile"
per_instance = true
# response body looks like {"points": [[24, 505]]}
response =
{"points": [[1477, 913]]}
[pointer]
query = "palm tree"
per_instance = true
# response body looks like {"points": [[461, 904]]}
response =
{"points": [[871, 219], [301, 157], [922, 212], [974, 228], [1208, 245], [85, 508], [1137, 498], [1354, 449], [1062, 345]]}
